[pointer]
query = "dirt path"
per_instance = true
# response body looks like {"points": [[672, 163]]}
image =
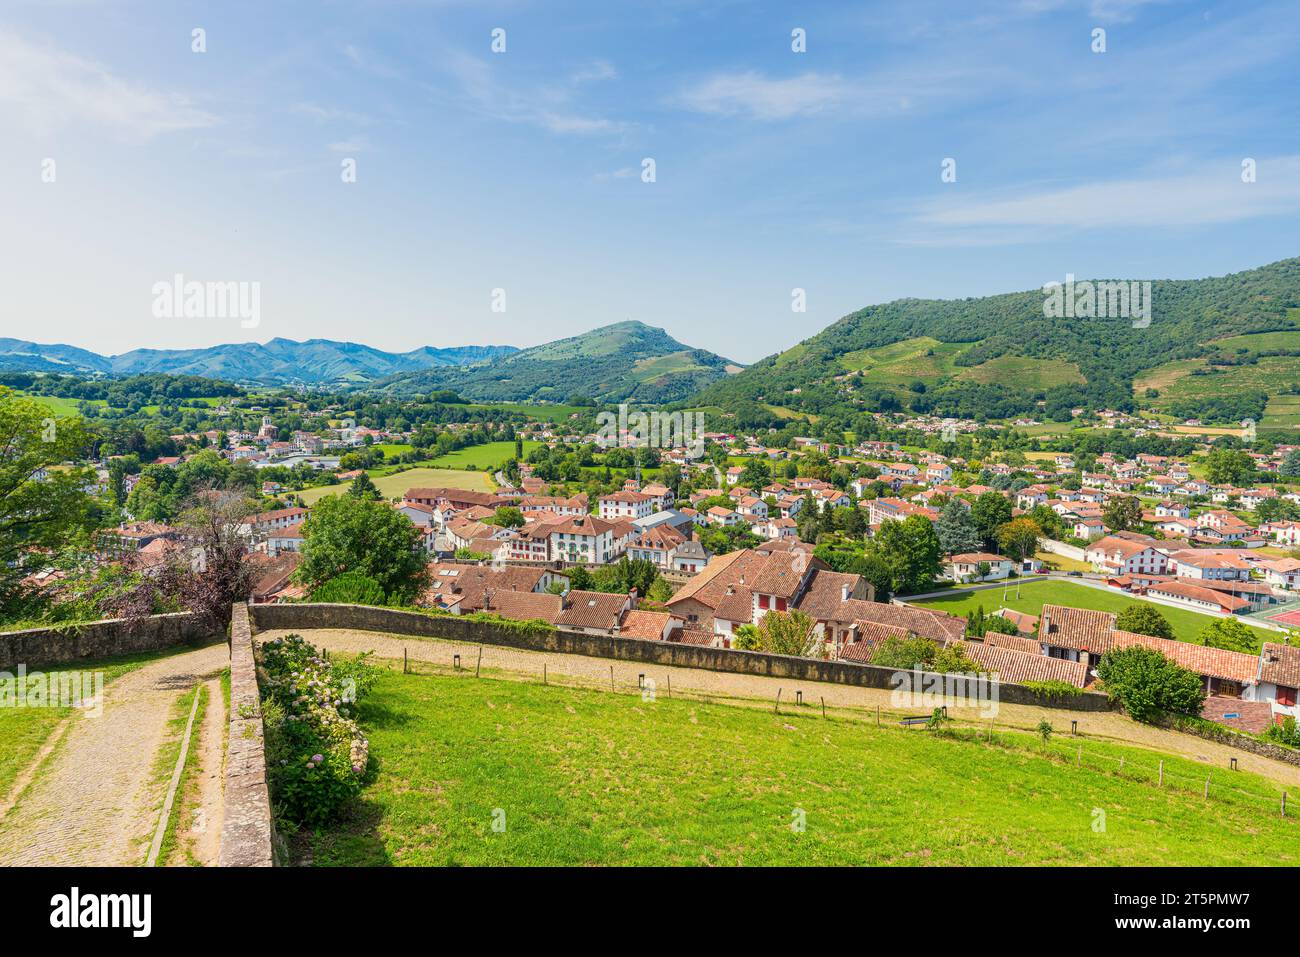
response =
{"points": [[200, 824], [755, 690], [97, 801]]}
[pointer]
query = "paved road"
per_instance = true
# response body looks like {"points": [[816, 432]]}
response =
{"points": [[96, 801]]}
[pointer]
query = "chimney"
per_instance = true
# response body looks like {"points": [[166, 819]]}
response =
{"points": [[844, 593], [731, 589], [631, 594]]}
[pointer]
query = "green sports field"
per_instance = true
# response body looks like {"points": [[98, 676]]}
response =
{"points": [[1034, 594]]}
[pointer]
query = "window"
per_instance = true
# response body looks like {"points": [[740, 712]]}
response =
{"points": [[1286, 697], [762, 601]]}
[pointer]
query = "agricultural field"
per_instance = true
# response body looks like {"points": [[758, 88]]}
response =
{"points": [[575, 776], [1282, 412], [60, 405], [489, 456], [1025, 372], [900, 363], [1180, 379], [396, 484], [1034, 594], [540, 412]]}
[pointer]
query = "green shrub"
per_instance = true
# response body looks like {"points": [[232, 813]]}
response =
{"points": [[317, 757], [1149, 685], [350, 588], [1053, 690]]}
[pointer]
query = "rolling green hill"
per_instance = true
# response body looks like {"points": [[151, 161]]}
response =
{"points": [[1219, 348], [624, 361]]}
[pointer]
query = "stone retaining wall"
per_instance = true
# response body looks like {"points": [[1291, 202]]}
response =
{"points": [[247, 833], [101, 639], [292, 616]]}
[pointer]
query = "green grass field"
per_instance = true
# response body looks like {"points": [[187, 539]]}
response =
{"points": [[539, 412], [1187, 624], [490, 456], [584, 777], [393, 486]]}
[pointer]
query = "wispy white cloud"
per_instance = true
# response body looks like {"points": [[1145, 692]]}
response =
{"points": [[1213, 193], [49, 88], [483, 89], [594, 72], [750, 93]]}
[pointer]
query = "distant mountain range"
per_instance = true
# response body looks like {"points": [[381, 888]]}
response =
{"points": [[280, 361], [626, 360], [615, 363]]}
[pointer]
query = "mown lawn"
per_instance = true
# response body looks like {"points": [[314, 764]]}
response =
{"points": [[489, 456], [1187, 624], [581, 777]]}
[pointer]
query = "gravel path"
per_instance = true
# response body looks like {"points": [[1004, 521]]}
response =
{"points": [[758, 691], [97, 802]]}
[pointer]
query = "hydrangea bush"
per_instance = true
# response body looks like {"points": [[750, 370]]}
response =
{"points": [[318, 759]]}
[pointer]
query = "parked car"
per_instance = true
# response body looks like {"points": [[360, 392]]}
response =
{"points": [[1076, 574]]}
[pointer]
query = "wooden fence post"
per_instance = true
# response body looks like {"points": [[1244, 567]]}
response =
{"points": [[611, 677], [1207, 788], [1162, 773], [778, 701], [479, 662], [823, 706]]}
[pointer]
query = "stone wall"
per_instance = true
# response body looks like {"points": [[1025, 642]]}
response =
{"points": [[41, 647], [365, 618], [1235, 740], [247, 833]]}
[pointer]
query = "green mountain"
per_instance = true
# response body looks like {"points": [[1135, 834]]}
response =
{"points": [[313, 362], [1223, 348], [623, 361]]}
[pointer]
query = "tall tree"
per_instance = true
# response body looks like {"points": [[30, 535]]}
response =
{"points": [[42, 502], [1122, 512], [989, 511], [910, 549], [344, 533], [956, 529]]}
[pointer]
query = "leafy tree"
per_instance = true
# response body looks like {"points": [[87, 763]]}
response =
{"points": [[914, 651], [508, 516], [364, 487], [1149, 685], [1231, 634], [1122, 512], [786, 633], [1277, 510], [345, 533], [1144, 619], [956, 529], [990, 511], [41, 504], [579, 577], [746, 638], [1291, 464], [350, 588], [1018, 538], [910, 550], [1229, 466]]}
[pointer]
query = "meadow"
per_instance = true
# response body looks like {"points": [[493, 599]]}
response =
{"points": [[1034, 594], [498, 772], [395, 485]]}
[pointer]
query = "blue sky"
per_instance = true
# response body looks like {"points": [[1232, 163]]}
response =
{"points": [[522, 170]]}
